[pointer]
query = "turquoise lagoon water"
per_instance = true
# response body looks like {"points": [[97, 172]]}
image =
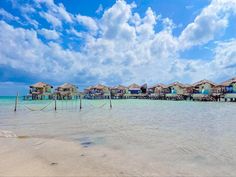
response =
{"points": [[183, 137]]}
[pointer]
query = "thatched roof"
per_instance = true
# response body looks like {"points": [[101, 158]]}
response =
{"points": [[204, 82], [158, 85], [178, 84], [134, 86], [40, 85], [99, 87], [228, 82], [66, 86], [119, 87]]}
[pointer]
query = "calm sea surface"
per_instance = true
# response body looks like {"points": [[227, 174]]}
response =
{"points": [[185, 137]]}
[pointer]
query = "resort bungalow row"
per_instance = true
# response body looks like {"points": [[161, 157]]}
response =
{"points": [[101, 91], [203, 90], [44, 91]]}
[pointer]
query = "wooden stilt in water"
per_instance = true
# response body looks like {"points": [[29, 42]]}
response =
{"points": [[110, 101], [16, 101], [55, 103], [80, 101]]}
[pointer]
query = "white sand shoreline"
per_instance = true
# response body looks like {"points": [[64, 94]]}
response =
{"points": [[50, 157]]}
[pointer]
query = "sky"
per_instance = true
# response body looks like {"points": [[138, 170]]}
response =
{"points": [[87, 42]]}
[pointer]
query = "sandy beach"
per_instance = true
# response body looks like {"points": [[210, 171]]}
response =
{"points": [[134, 138], [48, 157]]}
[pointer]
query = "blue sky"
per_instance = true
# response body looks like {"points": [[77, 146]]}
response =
{"points": [[115, 42]]}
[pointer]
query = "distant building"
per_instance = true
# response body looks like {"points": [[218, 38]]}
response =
{"points": [[67, 91], [97, 91], [178, 91], [230, 89], [40, 91]]}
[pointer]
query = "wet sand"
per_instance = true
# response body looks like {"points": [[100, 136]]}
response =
{"points": [[135, 138], [49, 157]]}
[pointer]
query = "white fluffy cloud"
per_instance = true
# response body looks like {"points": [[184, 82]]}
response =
{"points": [[87, 22], [51, 19], [121, 46], [210, 23], [58, 11], [49, 34]]}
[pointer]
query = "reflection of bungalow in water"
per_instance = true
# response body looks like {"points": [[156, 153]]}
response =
{"points": [[40, 91], [67, 91], [178, 91], [118, 91], [229, 89], [98, 91], [158, 91], [205, 90]]}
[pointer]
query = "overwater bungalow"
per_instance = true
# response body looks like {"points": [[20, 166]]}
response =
{"points": [[133, 91], [205, 90], [39, 91], [136, 91], [158, 91], [229, 87], [97, 92], [66, 92], [118, 91], [178, 91]]}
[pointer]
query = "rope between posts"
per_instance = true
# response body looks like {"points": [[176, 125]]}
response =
{"points": [[32, 109]]}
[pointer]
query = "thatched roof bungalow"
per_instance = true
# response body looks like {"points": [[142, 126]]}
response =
{"points": [[206, 90], [204, 87], [134, 89], [230, 88], [97, 91], [100, 88], [40, 90], [67, 91], [158, 89], [230, 85], [178, 88], [118, 91], [178, 91]]}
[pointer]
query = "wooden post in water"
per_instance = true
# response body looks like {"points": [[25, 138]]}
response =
{"points": [[110, 100], [80, 101], [55, 101], [16, 101]]}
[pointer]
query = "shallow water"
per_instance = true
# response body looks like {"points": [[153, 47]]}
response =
{"points": [[184, 138]]}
